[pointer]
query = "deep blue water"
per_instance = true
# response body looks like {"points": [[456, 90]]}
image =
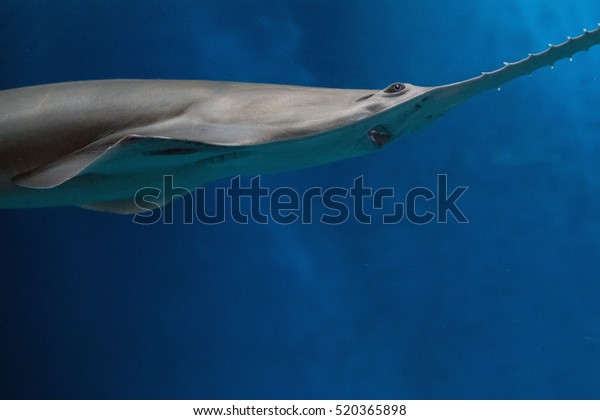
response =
{"points": [[506, 306]]}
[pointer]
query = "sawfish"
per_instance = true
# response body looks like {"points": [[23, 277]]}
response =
{"points": [[94, 144]]}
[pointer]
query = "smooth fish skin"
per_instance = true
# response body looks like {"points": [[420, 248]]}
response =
{"points": [[94, 144]]}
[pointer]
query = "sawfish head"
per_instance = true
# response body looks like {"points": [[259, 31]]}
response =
{"points": [[406, 108], [402, 108], [325, 125]]}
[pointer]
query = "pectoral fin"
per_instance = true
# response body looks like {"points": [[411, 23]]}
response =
{"points": [[126, 155]]}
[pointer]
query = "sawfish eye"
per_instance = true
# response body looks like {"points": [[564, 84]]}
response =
{"points": [[395, 88]]}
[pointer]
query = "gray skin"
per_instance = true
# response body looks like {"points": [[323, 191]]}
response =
{"points": [[94, 144]]}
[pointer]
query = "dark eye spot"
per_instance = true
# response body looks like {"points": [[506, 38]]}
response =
{"points": [[395, 88]]}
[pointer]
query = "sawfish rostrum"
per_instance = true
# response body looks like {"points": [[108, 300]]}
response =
{"points": [[94, 144]]}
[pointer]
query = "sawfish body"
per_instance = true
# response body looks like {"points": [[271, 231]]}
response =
{"points": [[94, 144]]}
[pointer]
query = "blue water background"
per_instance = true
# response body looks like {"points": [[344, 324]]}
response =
{"points": [[507, 306]]}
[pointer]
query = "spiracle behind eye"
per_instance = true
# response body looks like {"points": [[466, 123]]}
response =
{"points": [[380, 135], [395, 88]]}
